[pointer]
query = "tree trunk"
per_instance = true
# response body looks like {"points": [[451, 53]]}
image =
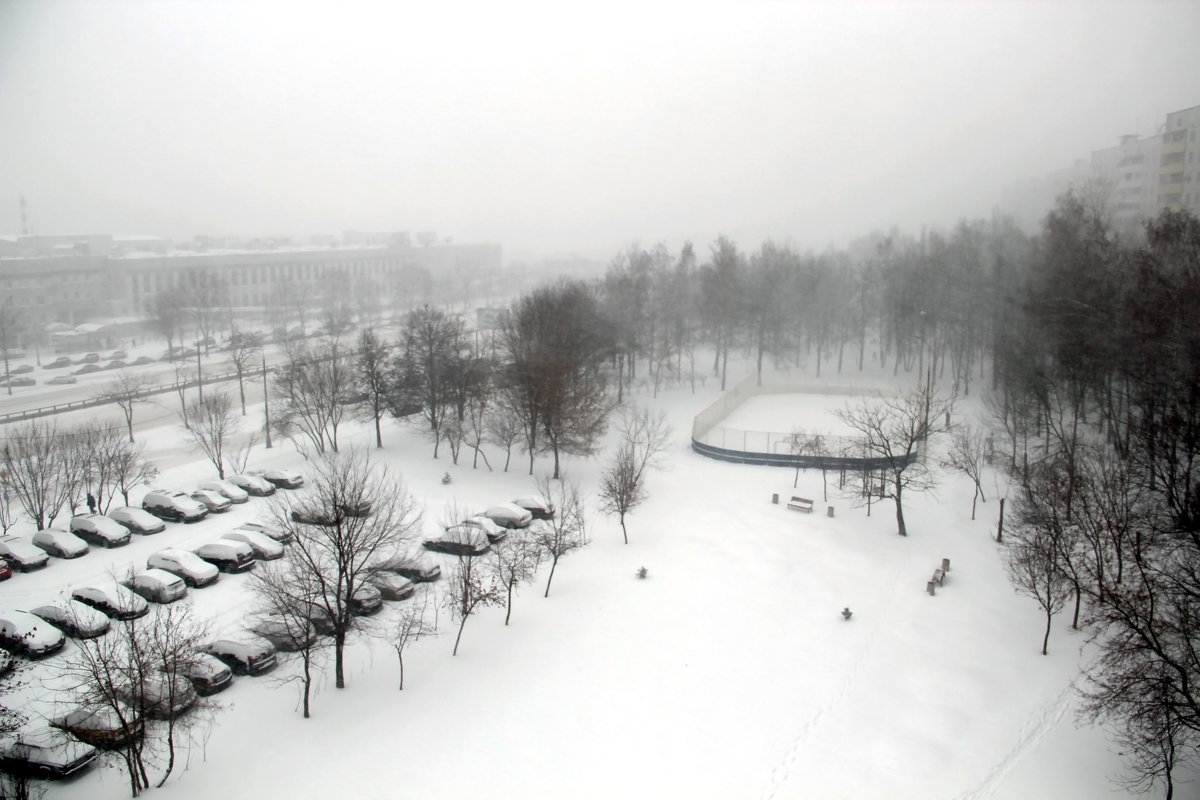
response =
{"points": [[903, 531], [624, 532], [458, 638], [1000, 526], [1046, 638], [550, 577], [339, 647]]}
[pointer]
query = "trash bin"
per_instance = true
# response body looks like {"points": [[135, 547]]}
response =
{"points": [[775, 498], [829, 511]]}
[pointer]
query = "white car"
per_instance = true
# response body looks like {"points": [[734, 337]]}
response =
{"points": [[391, 585], [214, 501], [195, 571], [73, 618], [228, 555], [509, 515], [253, 485], [113, 600], [173, 506], [416, 566], [490, 528], [265, 548], [100, 530], [281, 535], [157, 586], [280, 478], [29, 635], [60, 543], [137, 520], [459, 540], [535, 504], [231, 492], [21, 554]]}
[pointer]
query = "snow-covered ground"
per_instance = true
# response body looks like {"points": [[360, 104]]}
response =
{"points": [[728, 672]]}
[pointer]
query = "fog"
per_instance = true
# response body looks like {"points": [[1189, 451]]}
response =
{"points": [[559, 128]]}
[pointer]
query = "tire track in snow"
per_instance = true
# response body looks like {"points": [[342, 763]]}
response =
{"points": [[1039, 724], [783, 771]]}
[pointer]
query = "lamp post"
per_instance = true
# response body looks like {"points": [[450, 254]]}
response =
{"points": [[266, 399]]}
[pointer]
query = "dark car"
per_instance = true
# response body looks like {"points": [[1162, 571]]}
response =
{"points": [[24, 369], [73, 618], [62, 362], [280, 478], [5, 570], [459, 540], [253, 485], [116, 363], [101, 727], [16, 382], [46, 754], [415, 566], [114, 600], [228, 555], [141, 361], [100, 530], [87, 369], [209, 674], [245, 655], [159, 697]]}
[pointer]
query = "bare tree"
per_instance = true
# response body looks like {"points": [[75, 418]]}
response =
{"points": [[366, 512], [803, 443], [412, 624], [566, 531], [515, 560], [433, 348], [968, 455], [503, 426], [645, 435], [163, 311], [893, 431], [34, 459], [210, 421], [308, 405], [286, 594], [374, 379], [126, 390], [471, 586], [245, 351]]}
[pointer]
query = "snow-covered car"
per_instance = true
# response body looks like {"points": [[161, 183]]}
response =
{"points": [[281, 535], [391, 585], [156, 585], [245, 655], [17, 382], [45, 754], [366, 600], [113, 600], [265, 548], [141, 361], [208, 674], [509, 515], [535, 504], [100, 530], [228, 555], [29, 635], [5, 570], [59, 363], [137, 520], [62, 380], [214, 501], [173, 506], [253, 485], [416, 566], [87, 369], [279, 477], [195, 571], [459, 540], [158, 697], [228, 490], [60, 543], [287, 634], [490, 528], [73, 618], [101, 726], [21, 554]]}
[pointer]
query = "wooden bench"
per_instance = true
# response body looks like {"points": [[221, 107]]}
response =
{"points": [[800, 504]]}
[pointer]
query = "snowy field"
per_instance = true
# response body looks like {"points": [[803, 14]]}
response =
{"points": [[727, 673]]}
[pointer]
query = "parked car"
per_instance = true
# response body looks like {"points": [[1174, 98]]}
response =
{"points": [[113, 600], [158, 696], [228, 555], [245, 655], [59, 363], [509, 515], [366, 600], [115, 364], [137, 520], [29, 635], [281, 535], [89, 358], [21, 554], [195, 571], [416, 566], [286, 634], [156, 585], [173, 506], [214, 501], [86, 369], [118, 354], [227, 489], [391, 585], [5, 570], [252, 485], [16, 381], [311, 515], [45, 754], [101, 726], [490, 528], [535, 504], [141, 361], [280, 478], [24, 369], [73, 618], [459, 540], [265, 548], [62, 380], [209, 674], [100, 530], [60, 543]]}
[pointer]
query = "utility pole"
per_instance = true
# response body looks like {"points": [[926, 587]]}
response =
{"points": [[266, 399]]}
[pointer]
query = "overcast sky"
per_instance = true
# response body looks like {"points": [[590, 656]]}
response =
{"points": [[565, 127]]}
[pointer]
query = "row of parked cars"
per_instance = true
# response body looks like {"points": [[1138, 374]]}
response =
{"points": [[476, 534]]}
